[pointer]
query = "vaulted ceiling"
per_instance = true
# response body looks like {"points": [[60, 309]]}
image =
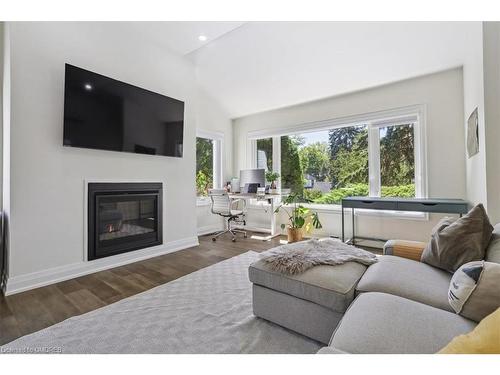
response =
{"points": [[265, 65], [256, 66]]}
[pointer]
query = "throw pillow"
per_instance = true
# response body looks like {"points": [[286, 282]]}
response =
{"points": [[454, 243], [484, 339], [493, 250], [474, 290]]}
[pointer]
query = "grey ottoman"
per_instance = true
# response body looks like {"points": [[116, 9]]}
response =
{"points": [[311, 303]]}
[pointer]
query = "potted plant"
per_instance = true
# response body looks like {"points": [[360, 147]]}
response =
{"points": [[272, 177], [299, 217]]}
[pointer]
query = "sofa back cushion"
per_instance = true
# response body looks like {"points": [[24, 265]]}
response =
{"points": [[493, 250], [454, 243]]}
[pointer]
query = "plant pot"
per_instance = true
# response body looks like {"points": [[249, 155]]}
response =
{"points": [[295, 235]]}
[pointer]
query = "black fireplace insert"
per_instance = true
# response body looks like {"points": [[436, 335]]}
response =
{"points": [[123, 217]]}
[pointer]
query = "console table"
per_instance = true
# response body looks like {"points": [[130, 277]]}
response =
{"points": [[437, 205]]}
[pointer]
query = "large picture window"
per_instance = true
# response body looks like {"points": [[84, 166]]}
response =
{"points": [[371, 158]]}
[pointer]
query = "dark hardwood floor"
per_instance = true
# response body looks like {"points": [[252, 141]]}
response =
{"points": [[31, 311]]}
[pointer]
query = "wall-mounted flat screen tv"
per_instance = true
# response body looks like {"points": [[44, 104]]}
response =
{"points": [[106, 114]]}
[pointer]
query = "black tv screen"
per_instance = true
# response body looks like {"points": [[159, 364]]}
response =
{"points": [[106, 114]]}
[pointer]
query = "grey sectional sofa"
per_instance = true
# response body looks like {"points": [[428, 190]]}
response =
{"points": [[396, 305]]}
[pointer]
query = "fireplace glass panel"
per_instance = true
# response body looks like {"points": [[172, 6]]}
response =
{"points": [[124, 218]]}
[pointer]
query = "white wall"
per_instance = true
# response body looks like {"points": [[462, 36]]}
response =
{"points": [[441, 93], [5, 104], [491, 70], [211, 117], [474, 97], [47, 199]]}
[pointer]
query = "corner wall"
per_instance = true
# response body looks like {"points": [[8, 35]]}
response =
{"points": [[211, 117], [441, 93], [474, 98], [491, 70], [47, 237]]}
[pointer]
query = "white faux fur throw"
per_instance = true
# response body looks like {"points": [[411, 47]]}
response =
{"points": [[298, 257]]}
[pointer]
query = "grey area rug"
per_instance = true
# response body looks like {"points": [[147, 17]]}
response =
{"points": [[207, 311]]}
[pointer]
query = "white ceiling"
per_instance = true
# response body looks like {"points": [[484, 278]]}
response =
{"points": [[266, 65], [181, 37]]}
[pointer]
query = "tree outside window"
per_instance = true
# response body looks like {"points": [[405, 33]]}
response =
{"points": [[204, 165], [326, 166], [265, 154]]}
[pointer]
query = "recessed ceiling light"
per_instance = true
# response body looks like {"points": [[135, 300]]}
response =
{"points": [[88, 86], [202, 38]]}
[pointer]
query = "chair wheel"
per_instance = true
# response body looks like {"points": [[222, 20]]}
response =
{"points": [[234, 240], [214, 239]]}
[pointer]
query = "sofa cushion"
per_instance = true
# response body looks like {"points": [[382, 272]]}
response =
{"points": [[409, 279], [329, 286], [454, 243], [493, 249], [383, 323]]}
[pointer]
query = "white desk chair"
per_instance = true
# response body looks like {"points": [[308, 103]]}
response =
{"points": [[222, 205]]}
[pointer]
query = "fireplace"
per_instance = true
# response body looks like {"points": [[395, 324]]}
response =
{"points": [[123, 217]]}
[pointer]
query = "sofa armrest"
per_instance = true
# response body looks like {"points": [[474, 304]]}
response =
{"points": [[405, 249]]}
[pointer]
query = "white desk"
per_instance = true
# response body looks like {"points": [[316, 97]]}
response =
{"points": [[272, 199]]}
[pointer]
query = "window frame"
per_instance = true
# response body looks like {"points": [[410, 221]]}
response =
{"points": [[415, 114], [217, 139]]}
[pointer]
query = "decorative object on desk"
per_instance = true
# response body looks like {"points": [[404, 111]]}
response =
{"points": [[299, 217], [296, 258], [272, 177], [261, 192], [472, 134], [235, 185]]}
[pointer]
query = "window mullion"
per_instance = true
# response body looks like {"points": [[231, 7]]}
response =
{"points": [[374, 161], [277, 158], [252, 154]]}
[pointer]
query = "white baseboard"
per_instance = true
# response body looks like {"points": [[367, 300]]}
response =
{"points": [[207, 229], [38, 279]]}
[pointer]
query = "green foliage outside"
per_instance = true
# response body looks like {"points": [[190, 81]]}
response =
{"points": [[396, 155], [291, 170], [204, 166], [362, 190], [315, 161], [266, 145], [343, 162], [312, 194], [350, 165], [202, 184]]}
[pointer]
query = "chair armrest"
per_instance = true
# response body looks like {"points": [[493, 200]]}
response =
{"points": [[405, 249]]}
